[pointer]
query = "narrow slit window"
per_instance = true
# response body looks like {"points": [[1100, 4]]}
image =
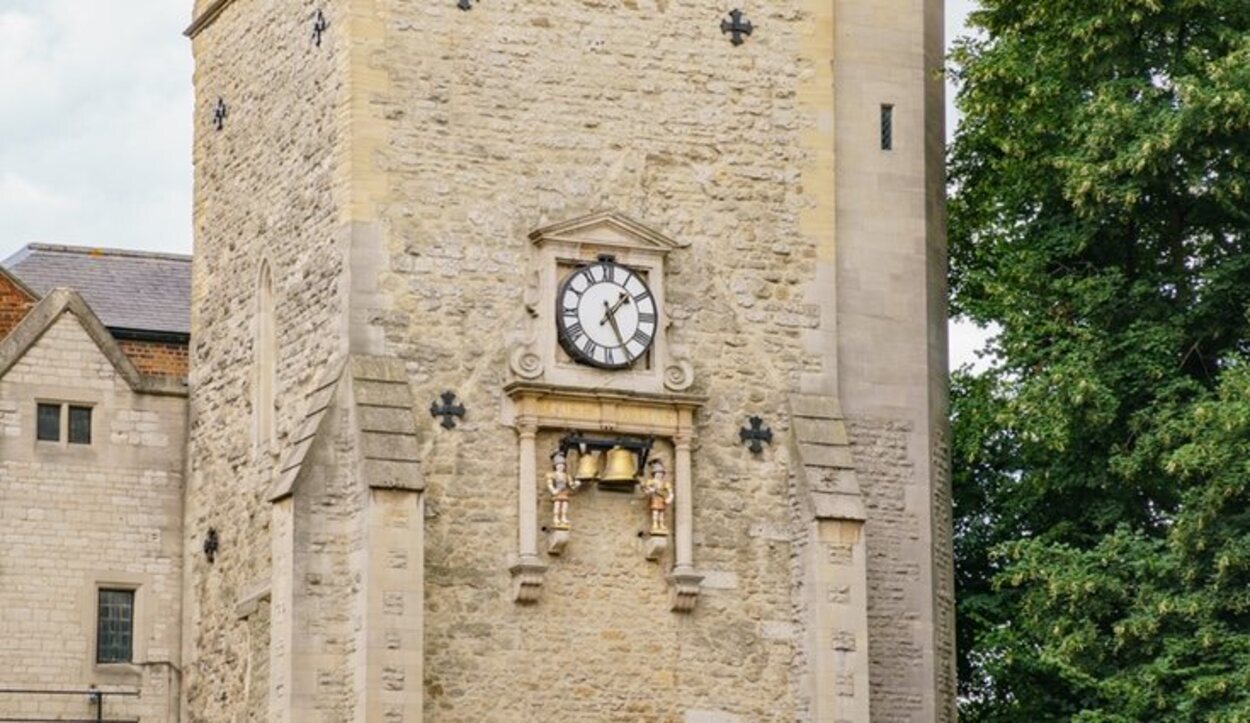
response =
{"points": [[115, 626], [265, 351], [887, 127], [80, 425], [48, 423]]}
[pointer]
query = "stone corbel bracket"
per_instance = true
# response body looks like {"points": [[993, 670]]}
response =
{"points": [[686, 586], [534, 406], [527, 581]]}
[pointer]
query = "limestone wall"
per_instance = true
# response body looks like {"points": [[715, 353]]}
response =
{"points": [[74, 518], [265, 189], [501, 122]]}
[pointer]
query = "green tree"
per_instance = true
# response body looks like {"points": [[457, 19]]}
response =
{"points": [[1100, 217]]}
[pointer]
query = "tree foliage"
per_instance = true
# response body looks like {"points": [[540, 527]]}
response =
{"points": [[1100, 217]]}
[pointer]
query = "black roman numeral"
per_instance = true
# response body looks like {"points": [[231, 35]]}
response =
{"points": [[574, 330], [642, 337], [589, 347], [646, 318], [609, 356]]}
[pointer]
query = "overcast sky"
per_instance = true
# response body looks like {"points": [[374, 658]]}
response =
{"points": [[95, 125]]}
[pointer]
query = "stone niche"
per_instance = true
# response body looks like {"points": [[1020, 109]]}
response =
{"points": [[551, 395]]}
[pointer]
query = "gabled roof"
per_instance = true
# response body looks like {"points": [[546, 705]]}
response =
{"points": [[132, 290], [48, 311]]}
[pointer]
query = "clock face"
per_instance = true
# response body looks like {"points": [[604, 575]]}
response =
{"points": [[606, 315]]}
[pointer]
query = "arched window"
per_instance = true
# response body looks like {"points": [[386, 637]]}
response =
{"points": [[266, 366]]}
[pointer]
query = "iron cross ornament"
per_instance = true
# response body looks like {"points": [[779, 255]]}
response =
{"points": [[754, 435], [449, 410], [320, 26], [736, 27]]}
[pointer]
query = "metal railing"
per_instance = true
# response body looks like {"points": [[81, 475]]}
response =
{"points": [[94, 696]]}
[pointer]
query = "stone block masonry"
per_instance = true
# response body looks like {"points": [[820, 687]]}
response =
{"points": [[391, 178], [77, 518]]}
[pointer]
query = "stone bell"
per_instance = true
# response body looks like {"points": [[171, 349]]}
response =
{"points": [[587, 467], [621, 468]]}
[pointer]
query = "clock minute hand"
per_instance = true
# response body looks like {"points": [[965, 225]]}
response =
{"points": [[610, 316]]}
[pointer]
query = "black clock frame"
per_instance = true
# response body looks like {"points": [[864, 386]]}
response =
{"points": [[566, 342]]}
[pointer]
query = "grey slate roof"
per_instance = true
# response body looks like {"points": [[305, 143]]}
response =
{"points": [[126, 289]]}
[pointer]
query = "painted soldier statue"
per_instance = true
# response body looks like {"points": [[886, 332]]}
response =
{"points": [[561, 484], [659, 492]]}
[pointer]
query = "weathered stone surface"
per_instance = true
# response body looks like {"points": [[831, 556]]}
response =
{"points": [[393, 176]]}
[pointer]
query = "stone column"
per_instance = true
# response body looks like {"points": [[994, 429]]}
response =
{"points": [[685, 580], [685, 508], [527, 572]]}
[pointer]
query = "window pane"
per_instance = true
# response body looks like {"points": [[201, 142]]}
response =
{"points": [[80, 425], [48, 427], [115, 626]]}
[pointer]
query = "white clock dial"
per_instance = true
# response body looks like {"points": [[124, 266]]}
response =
{"points": [[606, 315]]}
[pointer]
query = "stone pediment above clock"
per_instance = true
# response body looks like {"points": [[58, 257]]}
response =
{"points": [[609, 229]]}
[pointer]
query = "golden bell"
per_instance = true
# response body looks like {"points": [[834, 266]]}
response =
{"points": [[622, 466], [587, 467]]}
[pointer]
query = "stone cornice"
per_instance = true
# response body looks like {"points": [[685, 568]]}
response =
{"points": [[551, 406], [206, 18]]}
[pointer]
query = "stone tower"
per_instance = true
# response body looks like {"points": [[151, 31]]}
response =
{"points": [[419, 228]]}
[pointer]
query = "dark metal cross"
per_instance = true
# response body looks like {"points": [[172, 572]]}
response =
{"points": [[737, 27], [211, 543], [220, 113], [755, 434], [448, 410], [320, 26]]}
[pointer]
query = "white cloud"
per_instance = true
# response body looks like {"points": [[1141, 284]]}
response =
{"points": [[95, 112]]}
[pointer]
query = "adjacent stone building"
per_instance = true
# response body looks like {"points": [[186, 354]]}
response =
{"points": [[92, 440]]}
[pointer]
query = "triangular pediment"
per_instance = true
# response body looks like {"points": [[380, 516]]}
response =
{"points": [[607, 228]]}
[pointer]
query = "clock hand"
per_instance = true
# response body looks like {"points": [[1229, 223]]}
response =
{"points": [[616, 329], [624, 299]]}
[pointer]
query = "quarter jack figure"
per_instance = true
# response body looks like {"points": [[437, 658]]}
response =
{"points": [[660, 492], [561, 485]]}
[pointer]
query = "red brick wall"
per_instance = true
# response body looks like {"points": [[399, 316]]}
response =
{"points": [[164, 359], [14, 303]]}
